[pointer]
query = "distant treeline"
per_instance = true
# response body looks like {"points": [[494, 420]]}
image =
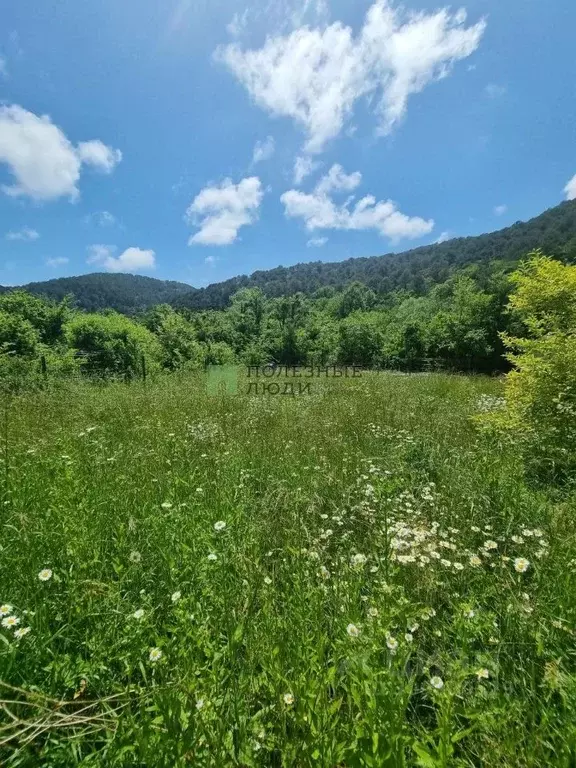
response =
{"points": [[456, 325]]}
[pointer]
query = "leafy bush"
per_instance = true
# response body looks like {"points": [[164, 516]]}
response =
{"points": [[540, 412], [112, 344]]}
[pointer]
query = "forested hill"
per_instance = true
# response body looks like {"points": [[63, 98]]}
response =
{"points": [[554, 232], [125, 293]]}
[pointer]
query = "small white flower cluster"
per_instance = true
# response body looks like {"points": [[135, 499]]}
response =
{"points": [[10, 621], [489, 403]]}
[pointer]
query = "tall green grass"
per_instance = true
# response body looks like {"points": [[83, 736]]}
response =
{"points": [[363, 605]]}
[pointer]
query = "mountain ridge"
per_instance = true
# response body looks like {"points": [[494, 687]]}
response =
{"points": [[415, 270], [121, 291], [554, 231]]}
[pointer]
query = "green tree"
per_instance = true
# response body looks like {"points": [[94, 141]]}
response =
{"points": [[17, 335], [112, 344], [540, 412]]}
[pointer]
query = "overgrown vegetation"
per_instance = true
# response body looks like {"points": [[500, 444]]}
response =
{"points": [[352, 577], [378, 573]]}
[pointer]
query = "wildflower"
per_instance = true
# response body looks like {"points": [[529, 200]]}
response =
{"points": [[45, 574], [199, 703], [138, 614], [21, 632], [517, 539], [155, 654], [458, 567], [267, 580], [527, 532], [176, 596], [5, 609], [10, 622], [324, 572], [135, 557], [166, 505], [538, 533], [445, 563], [220, 525], [288, 699], [482, 674], [469, 614], [212, 557], [475, 529], [521, 565], [392, 644], [475, 561], [358, 560], [352, 630], [490, 544], [373, 612], [414, 627], [437, 682]]}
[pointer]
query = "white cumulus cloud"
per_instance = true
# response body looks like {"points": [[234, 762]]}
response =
{"points": [[44, 163], [570, 189], [26, 233], [131, 260], [319, 211], [444, 236], [303, 167], [315, 75], [98, 155], [222, 210], [263, 150], [500, 210]]}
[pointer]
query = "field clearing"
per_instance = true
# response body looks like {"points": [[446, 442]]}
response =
{"points": [[354, 577]]}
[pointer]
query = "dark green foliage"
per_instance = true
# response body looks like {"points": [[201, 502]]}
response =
{"points": [[416, 270], [124, 293]]}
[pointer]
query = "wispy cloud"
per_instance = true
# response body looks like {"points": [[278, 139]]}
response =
{"points": [[25, 233]]}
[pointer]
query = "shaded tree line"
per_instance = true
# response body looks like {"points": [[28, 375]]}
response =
{"points": [[456, 325]]}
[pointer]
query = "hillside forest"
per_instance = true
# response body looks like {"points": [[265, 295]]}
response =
{"points": [[457, 325], [440, 307]]}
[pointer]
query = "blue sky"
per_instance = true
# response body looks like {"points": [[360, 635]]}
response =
{"points": [[195, 140]]}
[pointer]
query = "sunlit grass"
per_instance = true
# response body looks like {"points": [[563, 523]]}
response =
{"points": [[353, 577]]}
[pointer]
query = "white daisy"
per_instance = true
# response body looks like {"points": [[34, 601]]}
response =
{"points": [[437, 682], [45, 574], [521, 565], [288, 699], [155, 654], [10, 622], [220, 525], [5, 609], [352, 630], [176, 596], [21, 632], [138, 614], [392, 644]]}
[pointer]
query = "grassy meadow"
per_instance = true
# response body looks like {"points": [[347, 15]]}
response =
{"points": [[352, 577]]}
